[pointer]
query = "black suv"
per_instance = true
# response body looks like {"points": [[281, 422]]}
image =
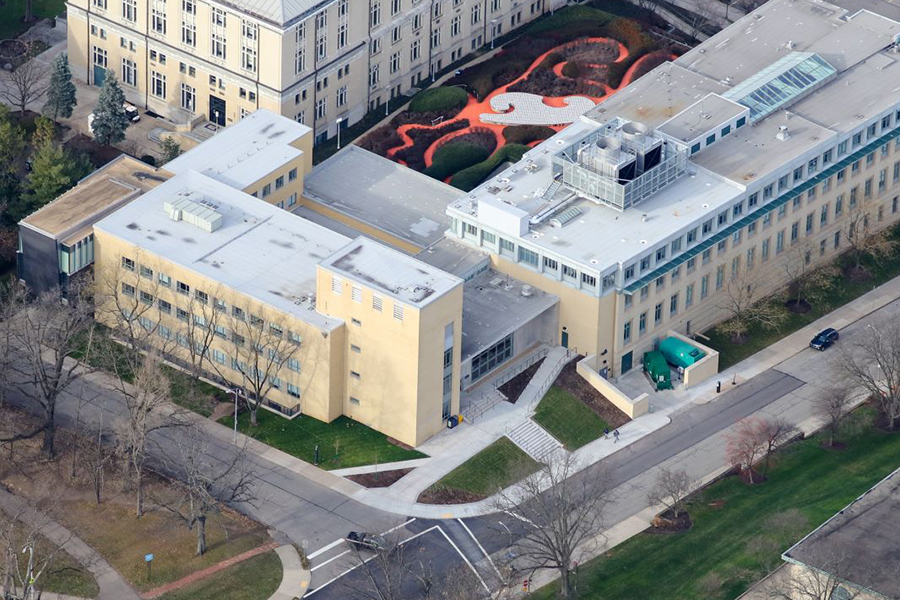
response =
{"points": [[366, 541], [824, 339]]}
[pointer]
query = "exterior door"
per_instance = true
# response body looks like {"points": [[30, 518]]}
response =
{"points": [[626, 363], [217, 110], [564, 339], [99, 75]]}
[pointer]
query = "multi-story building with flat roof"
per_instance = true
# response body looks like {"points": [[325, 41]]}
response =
{"points": [[767, 145], [320, 62]]}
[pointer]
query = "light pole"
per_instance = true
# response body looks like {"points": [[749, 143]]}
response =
{"points": [[216, 115], [235, 392], [502, 524], [387, 100], [339, 119], [493, 32]]}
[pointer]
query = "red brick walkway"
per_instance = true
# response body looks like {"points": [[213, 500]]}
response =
{"points": [[208, 571]]}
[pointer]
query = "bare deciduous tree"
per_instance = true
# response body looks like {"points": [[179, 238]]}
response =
{"points": [[147, 410], [746, 445], [671, 490], [25, 84], [259, 351], [45, 333], [12, 299], [863, 238], [699, 17], [27, 558], [798, 582], [744, 304], [775, 432], [873, 363], [807, 282], [396, 572], [562, 513], [832, 406], [205, 483]]}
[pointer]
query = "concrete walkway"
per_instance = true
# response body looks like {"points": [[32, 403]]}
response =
{"points": [[112, 585], [295, 580]]}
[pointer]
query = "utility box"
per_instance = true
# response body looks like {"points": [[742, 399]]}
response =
{"points": [[656, 367]]}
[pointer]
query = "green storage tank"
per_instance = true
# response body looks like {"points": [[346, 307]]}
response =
{"points": [[679, 353], [657, 368]]}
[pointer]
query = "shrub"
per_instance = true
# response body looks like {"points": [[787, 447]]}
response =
{"points": [[633, 37], [381, 140], [551, 60], [573, 69], [150, 160], [470, 178], [525, 134], [422, 138], [454, 156], [439, 99]]}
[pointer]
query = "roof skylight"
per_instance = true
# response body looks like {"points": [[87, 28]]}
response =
{"points": [[782, 82]]}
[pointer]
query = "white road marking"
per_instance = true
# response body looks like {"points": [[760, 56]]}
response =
{"points": [[518, 517], [333, 558], [480, 547], [463, 556], [324, 549], [335, 543], [333, 579]]}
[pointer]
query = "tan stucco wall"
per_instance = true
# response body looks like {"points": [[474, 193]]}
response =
{"points": [[633, 407], [399, 363], [701, 370], [320, 379]]}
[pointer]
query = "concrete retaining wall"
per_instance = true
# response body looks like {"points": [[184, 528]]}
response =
{"points": [[633, 407], [703, 369]]}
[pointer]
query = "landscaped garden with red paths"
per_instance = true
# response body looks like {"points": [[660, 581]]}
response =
{"points": [[581, 51]]}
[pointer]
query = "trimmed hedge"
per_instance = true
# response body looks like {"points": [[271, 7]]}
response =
{"points": [[631, 34], [455, 156], [439, 99], [422, 138], [470, 178], [525, 134], [381, 139]]}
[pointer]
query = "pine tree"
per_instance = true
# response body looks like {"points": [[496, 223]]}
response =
{"points": [[169, 150], [54, 170], [110, 120], [44, 132], [12, 143], [61, 94]]}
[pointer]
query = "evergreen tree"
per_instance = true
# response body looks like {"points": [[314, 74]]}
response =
{"points": [[61, 94], [44, 132], [12, 143], [110, 120], [54, 171], [169, 149]]}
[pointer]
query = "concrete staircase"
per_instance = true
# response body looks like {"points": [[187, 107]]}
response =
{"points": [[534, 440]]}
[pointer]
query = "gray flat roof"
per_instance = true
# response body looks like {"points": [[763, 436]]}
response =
{"points": [[861, 543], [453, 257], [494, 307], [390, 272], [241, 153], [260, 250], [327, 222], [384, 194], [694, 120]]}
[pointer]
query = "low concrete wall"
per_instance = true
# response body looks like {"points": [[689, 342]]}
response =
{"points": [[702, 370], [633, 407]]}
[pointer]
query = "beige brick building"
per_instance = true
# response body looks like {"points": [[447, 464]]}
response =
{"points": [[314, 61], [714, 176]]}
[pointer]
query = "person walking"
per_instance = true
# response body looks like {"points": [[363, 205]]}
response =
{"points": [[606, 433], [616, 435]]}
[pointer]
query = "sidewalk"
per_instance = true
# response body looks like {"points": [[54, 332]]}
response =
{"points": [[295, 580], [112, 585]]}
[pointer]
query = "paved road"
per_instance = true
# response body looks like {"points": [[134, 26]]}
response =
{"points": [[317, 517]]}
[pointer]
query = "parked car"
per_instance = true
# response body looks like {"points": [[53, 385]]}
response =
{"points": [[824, 339], [133, 115], [366, 541]]}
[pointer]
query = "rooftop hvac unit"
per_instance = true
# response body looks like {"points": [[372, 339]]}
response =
{"points": [[196, 214]]}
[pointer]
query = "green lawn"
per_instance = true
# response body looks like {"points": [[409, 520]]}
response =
{"points": [[738, 529], [843, 292], [252, 579], [568, 419], [496, 467], [12, 11], [356, 444]]}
